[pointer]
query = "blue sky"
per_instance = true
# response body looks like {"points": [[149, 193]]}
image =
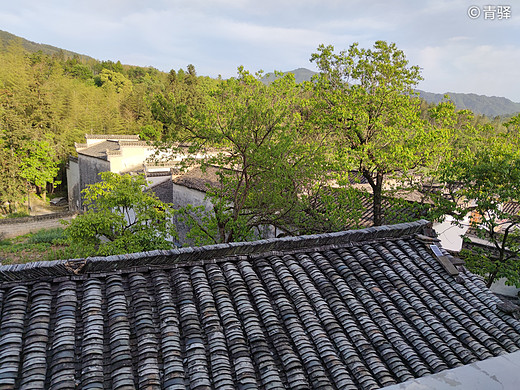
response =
{"points": [[456, 53]]}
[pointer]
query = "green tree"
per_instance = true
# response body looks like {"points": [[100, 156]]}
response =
{"points": [[266, 160], [487, 183], [12, 186], [115, 80], [37, 165], [184, 97], [365, 101], [513, 125], [122, 218]]}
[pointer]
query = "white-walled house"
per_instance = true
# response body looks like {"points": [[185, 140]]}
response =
{"points": [[112, 153]]}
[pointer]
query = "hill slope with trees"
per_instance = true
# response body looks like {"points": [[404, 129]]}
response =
{"points": [[7, 38], [491, 106], [50, 101]]}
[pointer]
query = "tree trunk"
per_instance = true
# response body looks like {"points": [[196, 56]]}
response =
{"points": [[377, 200], [376, 183], [491, 278], [28, 200]]}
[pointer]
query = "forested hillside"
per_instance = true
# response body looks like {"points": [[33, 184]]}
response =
{"points": [[50, 101], [7, 39], [490, 106]]}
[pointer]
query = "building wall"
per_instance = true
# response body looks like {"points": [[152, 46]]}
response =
{"points": [[450, 233], [89, 170], [73, 184], [183, 196], [130, 158]]}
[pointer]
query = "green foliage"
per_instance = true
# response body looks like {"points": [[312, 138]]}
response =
{"points": [[12, 186], [37, 164], [513, 125], [116, 80], [56, 99], [50, 236], [365, 99], [485, 181], [49, 102], [76, 69], [122, 218], [266, 159], [44, 245], [18, 214], [184, 97], [149, 133]]}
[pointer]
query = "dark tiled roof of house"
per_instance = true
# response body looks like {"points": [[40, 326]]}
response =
{"points": [[127, 137], [163, 190], [356, 177], [512, 208], [358, 309], [100, 149], [395, 210], [360, 214], [198, 179]]}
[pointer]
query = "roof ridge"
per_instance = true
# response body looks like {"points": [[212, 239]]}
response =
{"points": [[113, 136], [125, 142], [203, 254]]}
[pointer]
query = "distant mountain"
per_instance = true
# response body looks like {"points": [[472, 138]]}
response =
{"points": [[33, 47], [300, 75], [490, 106]]}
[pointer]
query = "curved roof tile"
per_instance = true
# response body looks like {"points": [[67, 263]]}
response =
{"points": [[359, 309]]}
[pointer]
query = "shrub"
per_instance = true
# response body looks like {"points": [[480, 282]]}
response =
{"points": [[50, 236]]}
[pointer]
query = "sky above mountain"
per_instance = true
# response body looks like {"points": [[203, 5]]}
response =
{"points": [[459, 48]]}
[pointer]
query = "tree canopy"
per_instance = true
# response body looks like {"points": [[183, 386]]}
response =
{"points": [[486, 185], [121, 218], [266, 158], [365, 100]]}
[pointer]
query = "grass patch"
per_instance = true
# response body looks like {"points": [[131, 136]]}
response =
{"points": [[50, 236], [18, 214], [44, 245]]}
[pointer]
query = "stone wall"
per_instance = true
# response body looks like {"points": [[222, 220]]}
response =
{"points": [[13, 227]]}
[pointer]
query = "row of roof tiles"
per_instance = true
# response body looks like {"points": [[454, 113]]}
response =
{"points": [[334, 311]]}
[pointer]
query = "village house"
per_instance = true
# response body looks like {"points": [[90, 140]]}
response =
{"points": [[118, 154]]}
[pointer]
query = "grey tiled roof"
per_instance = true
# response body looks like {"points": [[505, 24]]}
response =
{"points": [[126, 137], [100, 149], [110, 146], [199, 179], [361, 212], [164, 190], [512, 208], [359, 309]]}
